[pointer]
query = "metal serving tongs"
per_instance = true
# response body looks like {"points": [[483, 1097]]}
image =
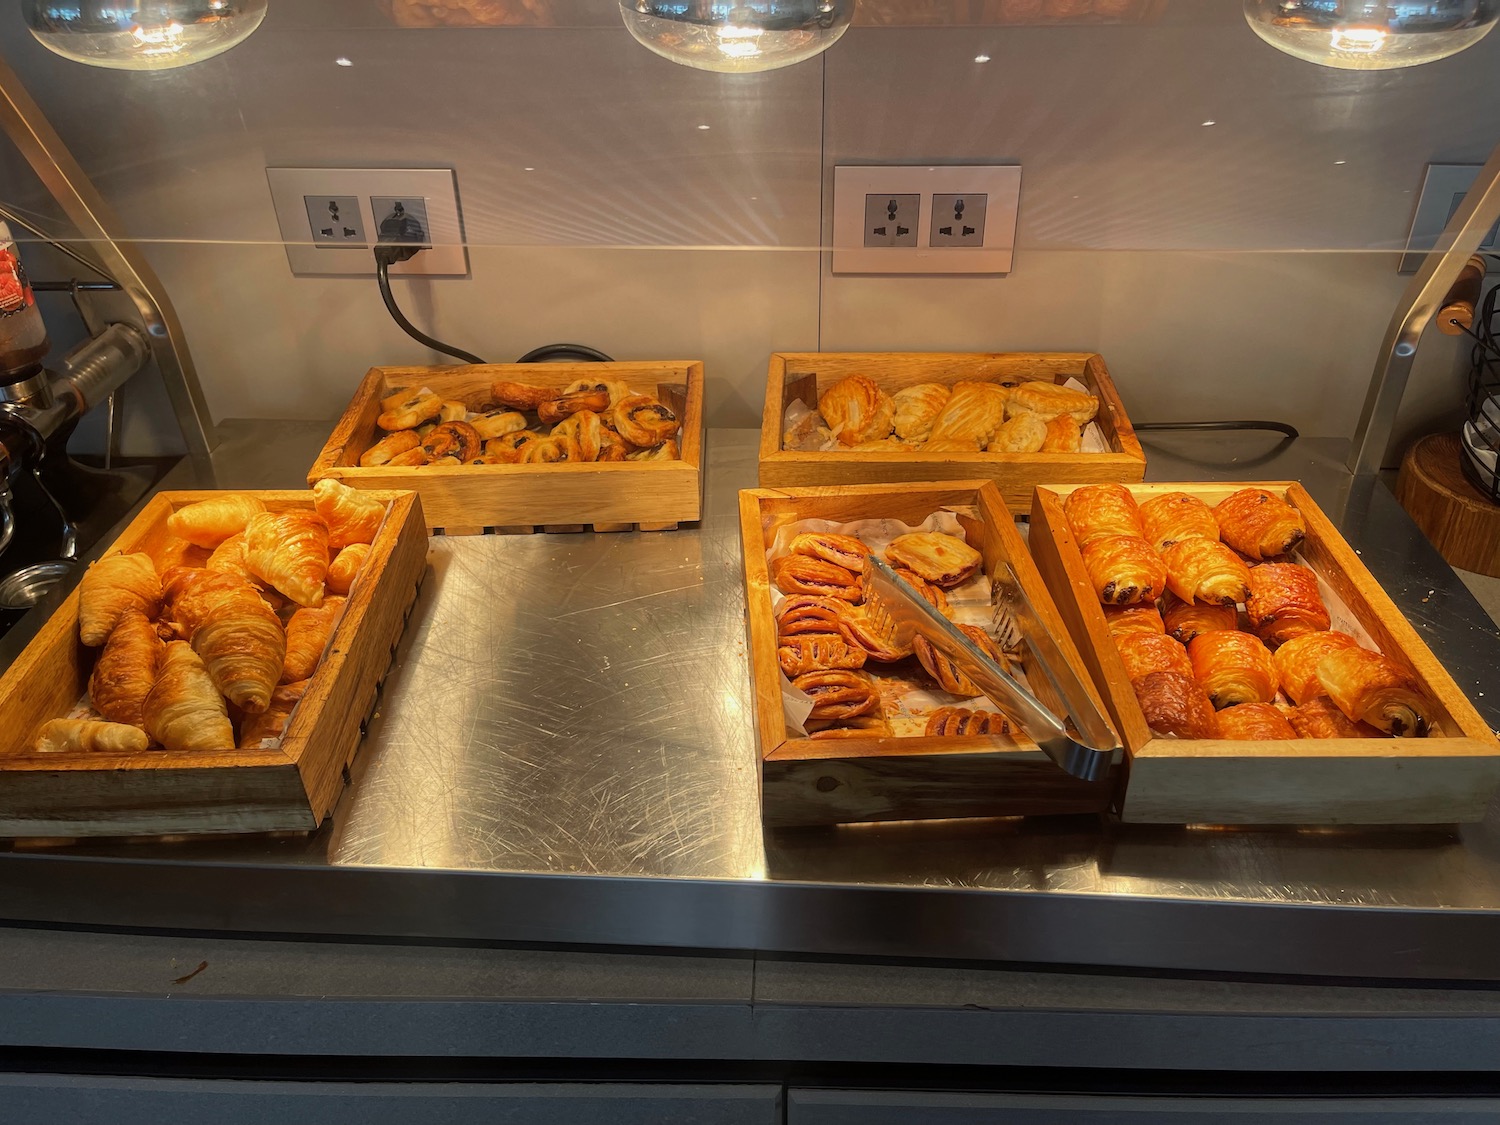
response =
{"points": [[1084, 748]]}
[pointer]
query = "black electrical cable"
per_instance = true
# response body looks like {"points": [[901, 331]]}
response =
{"points": [[384, 256], [1279, 427], [564, 352]]}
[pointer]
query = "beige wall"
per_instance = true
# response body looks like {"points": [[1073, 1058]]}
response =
{"points": [[1229, 271]]}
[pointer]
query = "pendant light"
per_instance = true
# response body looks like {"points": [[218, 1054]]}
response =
{"points": [[736, 36], [141, 34], [1365, 35]]}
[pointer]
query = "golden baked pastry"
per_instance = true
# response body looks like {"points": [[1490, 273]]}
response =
{"points": [[557, 449], [520, 396], [1258, 524], [613, 389], [666, 451], [1144, 653], [1297, 662], [1185, 620], [803, 574], [841, 550], [1369, 687], [510, 448], [1175, 704], [1121, 620], [406, 410], [1205, 570], [184, 711], [1099, 510], [452, 411], [1124, 570], [1233, 668], [587, 429], [1064, 435], [229, 558], [1284, 603], [1025, 433], [556, 409], [861, 726], [209, 522], [612, 447], [856, 410], [1321, 718], [126, 669], [943, 560], [289, 550], [307, 635], [110, 587], [957, 722], [950, 676], [953, 445], [1174, 516], [871, 629], [810, 615], [74, 736], [837, 693], [1253, 722], [883, 445], [410, 458], [932, 594], [1050, 400], [344, 567], [453, 439], [498, 423], [271, 723], [351, 516], [916, 408], [797, 655], [973, 412], [390, 446], [642, 421]]}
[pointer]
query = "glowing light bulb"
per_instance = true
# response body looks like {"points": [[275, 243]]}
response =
{"points": [[155, 36], [737, 35], [1358, 40], [1369, 34]]}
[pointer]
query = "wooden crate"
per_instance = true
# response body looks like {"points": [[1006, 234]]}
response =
{"points": [[164, 792], [807, 781], [806, 375], [1448, 777], [474, 499]]}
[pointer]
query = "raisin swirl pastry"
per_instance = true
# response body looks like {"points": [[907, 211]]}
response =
{"points": [[555, 450], [1284, 603], [587, 429], [841, 550], [1205, 570], [1259, 525], [508, 449], [1098, 511], [406, 410], [642, 421], [797, 655], [948, 674], [1185, 620], [454, 439], [958, 722], [390, 446], [1233, 668], [803, 574], [1174, 516], [837, 693], [521, 396], [1124, 570], [1253, 722]]}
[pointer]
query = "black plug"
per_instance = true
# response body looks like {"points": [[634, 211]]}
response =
{"points": [[388, 255]]}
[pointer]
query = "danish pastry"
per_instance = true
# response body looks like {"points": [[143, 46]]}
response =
{"points": [[861, 726], [973, 412], [1050, 400], [612, 388], [958, 722], [453, 439], [1099, 510], [1175, 516], [803, 574], [949, 676], [1233, 668], [498, 423], [932, 594], [807, 654], [1025, 433], [510, 448], [390, 446], [841, 550], [943, 560], [916, 408], [520, 396], [1259, 525], [1175, 704], [871, 628], [556, 409], [642, 421], [410, 458], [612, 447], [409, 410], [837, 693], [586, 429], [1253, 722], [557, 449], [857, 410], [452, 411], [810, 615], [666, 451], [1124, 570]]}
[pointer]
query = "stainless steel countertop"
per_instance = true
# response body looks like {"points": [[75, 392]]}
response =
{"points": [[564, 753]]}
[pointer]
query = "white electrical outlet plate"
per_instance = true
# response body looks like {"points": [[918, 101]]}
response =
{"points": [[312, 256], [1443, 189], [997, 185]]}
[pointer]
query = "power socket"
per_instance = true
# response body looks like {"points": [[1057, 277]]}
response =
{"points": [[958, 220], [401, 219], [336, 221], [891, 220]]}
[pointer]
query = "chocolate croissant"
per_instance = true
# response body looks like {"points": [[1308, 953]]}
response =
{"points": [[1259, 525], [209, 522], [1373, 688], [1175, 704], [1297, 662], [1233, 668], [1253, 722], [1122, 620], [111, 586], [1321, 718], [1098, 511], [351, 516], [74, 736], [289, 550], [243, 647], [1144, 653], [1175, 516], [1185, 620], [126, 669], [1124, 570], [855, 409], [184, 710], [1284, 603], [1205, 570]]}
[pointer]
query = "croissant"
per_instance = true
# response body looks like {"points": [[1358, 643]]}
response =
{"points": [[1050, 400], [307, 635], [392, 445], [184, 710], [209, 522], [973, 412], [1123, 620], [855, 409], [351, 516], [1175, 704], [950, 676], [193, 596], [1025, 433], [111, 586], [841, 550], [1320, 718], [72, 736], [1185, 620], [1205, 570], [125, 672], [838, 693], [345, 567], [1297, 662], [943, 560], [1144, 653], [1253, 722], [643, 421], [1124, 570], [1233, 668], [229, 558], [797, 655], [270, 723], [1099, 510], [1259, 525], [1284, 603], [289, 550], [586, 429], [955, 722], [916, 408], [243, 646], [1175, 516], [803, 574], [1367, 686]]}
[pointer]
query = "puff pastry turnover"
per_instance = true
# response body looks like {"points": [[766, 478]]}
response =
{"points": [[973, 412], [856, 410], [943, 560], [916, 408], [1049, 400]]}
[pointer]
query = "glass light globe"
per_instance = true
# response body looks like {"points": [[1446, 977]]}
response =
{"points": [[141, 34], [737, 36], [1365, 35]]}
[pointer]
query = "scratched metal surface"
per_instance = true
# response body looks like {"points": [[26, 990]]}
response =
{"points": [[580, 704]]}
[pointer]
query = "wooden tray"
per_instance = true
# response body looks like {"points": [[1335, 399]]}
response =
{"points": [[1445, 778], [806, 375], [808, 781], [162, 792], [474, 499]]}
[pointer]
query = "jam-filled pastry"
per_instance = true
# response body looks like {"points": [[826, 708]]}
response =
{"points": [[75, 736], [344, 567], [554, 450], [1185, 620], [959, 722], [1369, 687], [1049, 400], [1253, 722], [1205, 570], [1097, 511], [126, 669], [1025, 433], [841, 550], [803, 574], [1259, 525], [973, 412], [1122, 620], [1320, 718], [508, 449], [642, 421], [1175, 704], [837, 693], [454, 439], [953, 445], [810, 615], [933, 595], [666, 451], [1175, 516], [307, 635], [408, 410], [520, 396], [916, 408], [1284, 603], [352, 516], [111, 586], [556, 409], [943, 560], [184, 711], [1144, 653], [861, 726], [498, 423], [1297, 662], [1124, 570], [807, 654], [870, 627], [1233, 668], [271, 723], [586, 429], [409, 459], [856, 409], [289, 550], [949, 676]]}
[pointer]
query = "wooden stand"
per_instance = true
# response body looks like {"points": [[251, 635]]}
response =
{"points": [[1462, 523]]}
